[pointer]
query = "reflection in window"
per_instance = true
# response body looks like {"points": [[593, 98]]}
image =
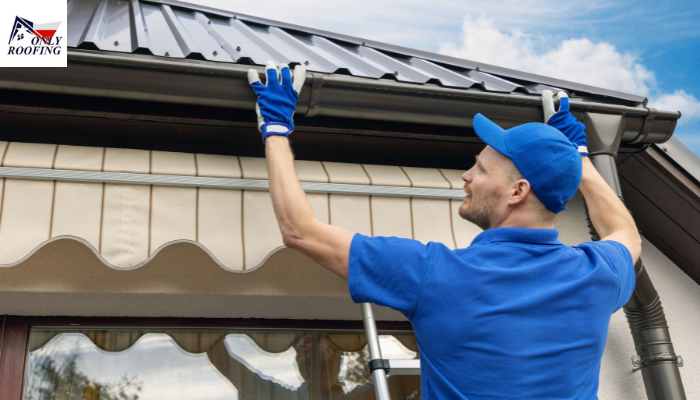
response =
{"points": [[71, 367], [280, 368], [142, 364]]}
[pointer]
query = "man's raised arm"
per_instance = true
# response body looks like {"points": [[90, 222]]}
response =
{"points": [[608, 214], [327, 245]]}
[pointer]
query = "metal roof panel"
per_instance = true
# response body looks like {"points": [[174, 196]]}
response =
{"points": [[447, 77], [180, 30], [355, 62], [314, 61], [139, 37], [392, 65], [243, 41], [162, 38], [206, 23], [187, 45]]}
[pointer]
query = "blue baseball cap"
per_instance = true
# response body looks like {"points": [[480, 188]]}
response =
{"points": [[542, 154]]}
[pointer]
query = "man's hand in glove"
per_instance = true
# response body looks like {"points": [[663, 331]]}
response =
{"points": [[277, 99], [574, 130], [327, 245]]}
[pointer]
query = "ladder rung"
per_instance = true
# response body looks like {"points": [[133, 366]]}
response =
{"points": [[404, 367]]}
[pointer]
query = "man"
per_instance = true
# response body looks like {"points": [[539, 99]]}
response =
{"points": [[516, 315]]}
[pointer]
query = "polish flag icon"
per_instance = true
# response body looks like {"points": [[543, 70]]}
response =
{"points": [[47, 30]]}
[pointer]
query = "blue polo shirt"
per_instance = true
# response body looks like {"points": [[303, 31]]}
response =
{"points": [[516, 315]]}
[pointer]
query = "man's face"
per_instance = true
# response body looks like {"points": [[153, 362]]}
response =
{"points": [[487, 186]]}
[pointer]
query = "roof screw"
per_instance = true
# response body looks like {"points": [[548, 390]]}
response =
{"points": [[209, 22], [483, 83], [238, 48], [116, 43], [680, 361], [215, 53], [477, 68], [363, 43], [306, 63], [234, 17], [396, 73], [636, 363], [167, 54], [665, 149]]}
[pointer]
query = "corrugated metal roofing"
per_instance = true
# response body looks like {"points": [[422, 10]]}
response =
{"points": [[180, 30]]}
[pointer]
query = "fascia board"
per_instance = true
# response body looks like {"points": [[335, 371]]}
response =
{"points": [[682, 156]]}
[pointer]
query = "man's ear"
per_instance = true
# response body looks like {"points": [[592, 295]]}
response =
{"points": [[519, 191]]}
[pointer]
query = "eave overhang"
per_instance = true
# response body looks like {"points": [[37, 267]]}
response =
{"points": [[210, 84]]}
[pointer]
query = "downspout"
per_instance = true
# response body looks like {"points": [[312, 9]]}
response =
{"points": [[655, 354]]}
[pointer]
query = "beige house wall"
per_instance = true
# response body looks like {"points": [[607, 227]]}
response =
{"points": [[680, 297], [67, 277]]}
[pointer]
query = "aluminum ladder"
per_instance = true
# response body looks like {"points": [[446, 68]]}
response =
{"points": [[380, 367]]}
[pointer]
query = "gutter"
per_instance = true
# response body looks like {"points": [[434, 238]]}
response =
{"points": [[151, 78]]}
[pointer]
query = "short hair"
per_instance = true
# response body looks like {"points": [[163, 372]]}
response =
{"points": [[513, 174]]}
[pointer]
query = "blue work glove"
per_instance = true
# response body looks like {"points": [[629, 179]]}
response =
{"points": [[564, 121], [277, 100]]}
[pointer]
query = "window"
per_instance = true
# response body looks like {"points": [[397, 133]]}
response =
{"points": [[144, 364]]}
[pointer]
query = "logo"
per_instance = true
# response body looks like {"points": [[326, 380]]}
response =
{"points": [[34, 40]]}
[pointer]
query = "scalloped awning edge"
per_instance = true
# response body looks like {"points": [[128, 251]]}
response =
{"points": [[66, 276]]}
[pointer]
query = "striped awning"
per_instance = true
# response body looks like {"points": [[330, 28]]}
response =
{"points": [[129, 204]]}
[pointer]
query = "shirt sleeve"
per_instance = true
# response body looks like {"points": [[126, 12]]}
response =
{"points": [[619, 259], [388, 271]]}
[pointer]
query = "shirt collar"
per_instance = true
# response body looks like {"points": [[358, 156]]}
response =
{"points": [[520, 235]]}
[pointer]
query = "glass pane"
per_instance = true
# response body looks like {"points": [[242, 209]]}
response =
{"points": [[143, 364]]}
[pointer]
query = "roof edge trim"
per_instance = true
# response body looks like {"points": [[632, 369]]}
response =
{"points": [[453, 61], [682, 155]]}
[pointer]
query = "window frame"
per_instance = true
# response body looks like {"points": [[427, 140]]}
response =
{"points": [[14, 338]]}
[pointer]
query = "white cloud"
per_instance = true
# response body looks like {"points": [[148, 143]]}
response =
{"points": [[578, 60], [411, 23], [679, 100], [688, 129]]}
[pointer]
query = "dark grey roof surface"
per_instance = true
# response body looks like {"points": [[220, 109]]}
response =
{"points": [[180, 30]]}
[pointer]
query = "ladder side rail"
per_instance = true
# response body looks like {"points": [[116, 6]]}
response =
{"points": [[381, 386]]}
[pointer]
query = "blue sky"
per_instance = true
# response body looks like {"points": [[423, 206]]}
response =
{"points": [[641, 47]]}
